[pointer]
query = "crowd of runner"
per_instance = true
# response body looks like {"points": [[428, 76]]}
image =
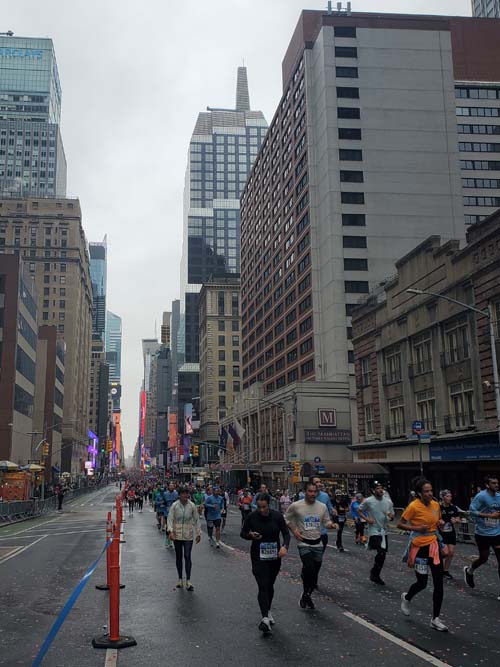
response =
{"points": [[268, 521]]}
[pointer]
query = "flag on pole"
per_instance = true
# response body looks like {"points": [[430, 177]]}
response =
{"points": [[234, 435]]}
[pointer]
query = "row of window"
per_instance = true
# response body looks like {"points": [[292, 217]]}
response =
{"points": [[486, 112], [482, 201], [480, 165], [478, 129], [469, 147], [292, 376], [477, 93], [490, 183]]}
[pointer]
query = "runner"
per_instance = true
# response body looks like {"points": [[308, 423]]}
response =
{"points": [[183, 520], [324, 498], [340, 509], [285, 501], [140, 499], [198, 498], [213, 505], [485, 512], [245, 505], [225, 498], [131, 499], [450, 515], [158, 505], [377, 510], [169, 498], [359, 523], [305, 518], [422, 518], [264, 527]]}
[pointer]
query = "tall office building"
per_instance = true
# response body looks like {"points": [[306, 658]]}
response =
{"points": [[222, 150], [114, 345], [48, 234], [32, 161], [98, 276], [367, 157], [486, 9]]}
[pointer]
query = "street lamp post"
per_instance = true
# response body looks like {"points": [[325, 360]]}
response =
{"points": [[491, 319]]}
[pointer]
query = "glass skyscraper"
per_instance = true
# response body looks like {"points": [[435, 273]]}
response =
{"points": [[32, 160], [114, 346], [98, 276], [222, 150]]}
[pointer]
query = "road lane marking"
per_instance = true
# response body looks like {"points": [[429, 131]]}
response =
{"points": [[111, 657], [226, 546], [20, 551], [75, 532], [427, 657]]}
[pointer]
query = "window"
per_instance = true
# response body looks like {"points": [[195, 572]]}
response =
{"points": [[369, 426], [348, 112], [235, 325], [305, 325], [392, 366], [426, 409], [422, 354], [351, 176], [236, 386], [222, 385], [25, 365], [23, 401], [349, 133], [235, 340], [364, 363], [220, 303], [354, 241], [348, 93], [349, 308], [461, 405], [396, 418], [222, 325], [292, 356], [236, 371], [222, 370], [356, 286], [352, 197], [355, 264], [350, 155], [221, 340], [346, 52], [456, 341], [496, 319], [306, 346], [222, 355], [236, 355], [346, 72], [307, 368], [344, 31], [353, 220]]}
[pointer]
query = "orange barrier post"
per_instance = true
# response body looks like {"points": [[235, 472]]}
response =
{"points": [[113, 639]]}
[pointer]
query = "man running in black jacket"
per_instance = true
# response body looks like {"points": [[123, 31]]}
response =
{"points": [[265, 527]]}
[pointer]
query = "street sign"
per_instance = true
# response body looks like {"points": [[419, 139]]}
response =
{"points": [[417, 427], [320, 469], [317, 459], [425, 438], [288, 468]]}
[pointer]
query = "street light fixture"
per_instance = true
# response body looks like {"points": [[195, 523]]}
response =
{"points": [[489, 313]]}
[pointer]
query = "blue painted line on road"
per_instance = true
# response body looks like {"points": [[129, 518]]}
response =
{"points": [[67, 608]]}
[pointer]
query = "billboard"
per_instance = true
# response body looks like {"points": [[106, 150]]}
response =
{"points": [[172, 430], [188, 418]]}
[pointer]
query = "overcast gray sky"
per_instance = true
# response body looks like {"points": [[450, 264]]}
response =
{"points": [[134, 77]]}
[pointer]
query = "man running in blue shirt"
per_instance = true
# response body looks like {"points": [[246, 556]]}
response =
{"points": [[214, 504], [324, 498], [169, 498], [485, 512]]}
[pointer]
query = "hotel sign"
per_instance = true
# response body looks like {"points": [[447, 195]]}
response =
{"points": [[9, 52], [327, 418], [328, 435]]}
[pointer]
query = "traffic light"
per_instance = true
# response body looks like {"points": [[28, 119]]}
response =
{"points": [[196, 450], [109, 446], [296, 472], [191, 449], [45, 448]]}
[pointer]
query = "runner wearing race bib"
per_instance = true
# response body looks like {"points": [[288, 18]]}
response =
{"points": [[306, 518], [422, 518], [265, 527], [450, 515], [485, 512]]}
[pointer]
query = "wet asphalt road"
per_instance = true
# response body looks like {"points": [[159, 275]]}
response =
{"points": [[217, 623]]}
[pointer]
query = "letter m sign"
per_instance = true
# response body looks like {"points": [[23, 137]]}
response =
{"points": [[327, 418]]}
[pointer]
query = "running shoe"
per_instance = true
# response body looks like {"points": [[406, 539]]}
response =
{"points": [[265, 626], [310, 603], [469, 577], [302, 601], [271, 618], [189, 586], [438, 625], [217, 545], [377, 579], [447, 575], [405, 605], [179, 584]]}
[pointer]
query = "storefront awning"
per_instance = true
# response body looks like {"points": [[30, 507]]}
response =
{"points": [[349, 469]]}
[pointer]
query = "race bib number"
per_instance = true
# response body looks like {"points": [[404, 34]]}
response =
{"points": [[447, 528], [491, 523], [341, 518], [268, 550], [312, 523], [421, 565]]}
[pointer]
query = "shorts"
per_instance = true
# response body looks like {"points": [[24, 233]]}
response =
{"points": [[314, 550], [214, 522], [486, 541], [449, 537], [375, 543]]}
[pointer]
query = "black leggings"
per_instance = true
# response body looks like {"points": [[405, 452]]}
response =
{"points": [[421, 583], [131, 503], [484, 554], [341, 525], [359, 529], [265, 575], [312, 559], [185, 546]]}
